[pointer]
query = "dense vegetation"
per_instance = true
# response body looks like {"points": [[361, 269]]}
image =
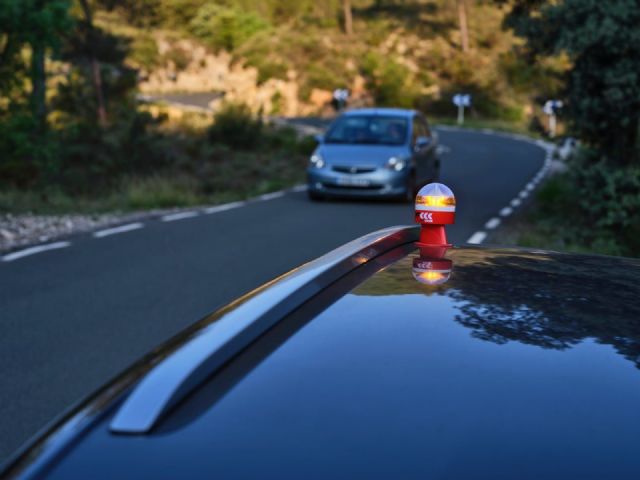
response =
{"points": [[409, 52], [73, 136], [71, 128], [70, 125], [595, 205]]}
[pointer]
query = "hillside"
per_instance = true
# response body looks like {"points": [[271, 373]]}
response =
{"points": [[286, 57], [74, 135]]}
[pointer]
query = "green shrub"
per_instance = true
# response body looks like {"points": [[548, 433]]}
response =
{"points": [[176, 14], [179, 56], [326, 76], [268, 69], [27, 158], [144, 51], [306, 145], [238, 129], [225, 27], [160, 192], [234, 125], [593, 205], [390, 82], [610, 197]]}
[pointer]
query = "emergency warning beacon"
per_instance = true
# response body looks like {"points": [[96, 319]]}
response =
{"points": [[435, 207]]}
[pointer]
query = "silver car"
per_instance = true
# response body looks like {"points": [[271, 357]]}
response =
{"points": [[381, 152]]}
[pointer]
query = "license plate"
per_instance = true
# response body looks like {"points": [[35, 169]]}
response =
{"points": [[353, 182]]}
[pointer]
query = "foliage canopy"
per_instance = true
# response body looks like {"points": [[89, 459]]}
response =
{"points": [[602, 40]]}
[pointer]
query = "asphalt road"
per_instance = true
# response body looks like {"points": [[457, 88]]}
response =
{"points": [[70, 319]]}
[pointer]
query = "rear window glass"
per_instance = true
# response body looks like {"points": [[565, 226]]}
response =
{"points": [[368, 129]]}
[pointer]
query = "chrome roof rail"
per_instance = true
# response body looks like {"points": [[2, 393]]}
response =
{"points": [[186, 368]]}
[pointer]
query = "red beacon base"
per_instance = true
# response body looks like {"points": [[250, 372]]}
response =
{"points": [[433, 241], [435, 208]]}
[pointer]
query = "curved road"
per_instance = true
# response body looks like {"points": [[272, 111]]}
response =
{"points": [[70, 319]]}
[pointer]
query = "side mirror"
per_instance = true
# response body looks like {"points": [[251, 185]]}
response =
{"points": [[422, 142], [319, 138]]}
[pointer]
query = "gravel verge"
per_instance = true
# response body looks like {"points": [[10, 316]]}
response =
{"points": [[20, 230]]}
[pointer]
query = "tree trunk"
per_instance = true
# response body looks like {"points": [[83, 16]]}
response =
{"points": [[6, 58], [7, 49], [38, 85], [96, 76], [348, 17], [464, 31]]}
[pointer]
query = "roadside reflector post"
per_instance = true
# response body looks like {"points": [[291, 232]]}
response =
{"points": [[461, 100], [551, 109], [435, 207]]}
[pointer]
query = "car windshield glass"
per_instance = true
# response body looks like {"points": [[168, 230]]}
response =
{"points": [[368, 129]]}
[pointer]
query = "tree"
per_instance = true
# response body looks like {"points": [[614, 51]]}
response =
{"points": [[45, 21], [10, 17], [602, 40], [464, 31], [90, 38], [37, 24], [348, 17]]}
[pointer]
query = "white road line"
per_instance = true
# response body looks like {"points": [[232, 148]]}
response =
{"points": [[179, 216], [299, 188], [115, 230], [477, 238], [480, 236], [506, 211], [224, 207], [492, 223], [270, 196], [33, 250]]}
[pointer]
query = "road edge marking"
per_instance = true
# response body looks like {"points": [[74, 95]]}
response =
{"points": [[492, 224], [116, 230], [533, 183], [9, 257], [172, 217], [477, 238], [223, 208]]}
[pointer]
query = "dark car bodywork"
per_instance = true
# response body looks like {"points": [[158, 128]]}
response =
{"points": [[524, 364]]}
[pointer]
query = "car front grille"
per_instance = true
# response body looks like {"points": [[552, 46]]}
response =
{"points": [[352, 169], [332, 186]]}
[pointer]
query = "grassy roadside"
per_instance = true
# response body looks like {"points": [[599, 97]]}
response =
{"points": [[235, 176], [527, 229], [203, 163], [161, 190], [234, 158], [552, 220]]}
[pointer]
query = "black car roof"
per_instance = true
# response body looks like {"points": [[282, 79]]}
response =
{"points": [[522, 365]]}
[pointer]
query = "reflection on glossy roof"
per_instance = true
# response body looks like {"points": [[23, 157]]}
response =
{"points": [[522, 365]]}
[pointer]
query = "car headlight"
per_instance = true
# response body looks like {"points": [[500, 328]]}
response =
{"points": [[316, 161], [396, 163]]}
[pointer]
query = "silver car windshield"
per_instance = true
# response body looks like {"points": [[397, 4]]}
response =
{"points": [[368, 129]]}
